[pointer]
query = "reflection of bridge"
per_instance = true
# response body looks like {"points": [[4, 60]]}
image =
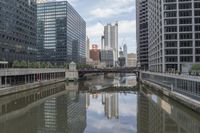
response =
{"points": [[134, 70], [113, 89]]}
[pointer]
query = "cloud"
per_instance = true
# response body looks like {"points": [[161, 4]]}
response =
{"points": [[113, 7], [95, 30]]}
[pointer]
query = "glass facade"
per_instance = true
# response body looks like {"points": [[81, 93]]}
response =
{"points": [[18, 19], [61, 33]]}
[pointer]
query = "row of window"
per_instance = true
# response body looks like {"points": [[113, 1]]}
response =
{"points": [[181, 13], [182, 44]]}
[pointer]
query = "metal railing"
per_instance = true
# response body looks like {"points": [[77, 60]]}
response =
{"points": [[184, 84]]}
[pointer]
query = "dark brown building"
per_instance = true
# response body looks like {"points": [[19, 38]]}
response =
{"points": [[95, 53]]}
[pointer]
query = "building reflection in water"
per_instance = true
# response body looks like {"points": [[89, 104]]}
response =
{"points": [[157, 115], [62, 111]]}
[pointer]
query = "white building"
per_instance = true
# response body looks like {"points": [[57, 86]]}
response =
{"points": [[111, 40], [174, 34], [125, 54], [87, 50]]}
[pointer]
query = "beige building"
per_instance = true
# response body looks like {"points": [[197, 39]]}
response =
{"points": [[132, 60], [41, 1]]}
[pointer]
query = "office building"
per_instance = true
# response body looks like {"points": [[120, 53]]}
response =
{"points": [[18, 21], [132, 60], [122, 58], [106, 57], [111, 40], [125, 51], [61, 33], [174, 37], [95, 53], [142, 33], [87, 49]]}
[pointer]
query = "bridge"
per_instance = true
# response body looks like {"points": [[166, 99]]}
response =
{"points": [[134, 70]]}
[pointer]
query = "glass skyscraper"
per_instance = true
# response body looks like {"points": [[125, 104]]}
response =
{"points": [[61, 33], [18, 21]]}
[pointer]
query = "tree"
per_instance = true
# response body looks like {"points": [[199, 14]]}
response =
{"points": [[16, 64], [196, 67], [23, 64]]}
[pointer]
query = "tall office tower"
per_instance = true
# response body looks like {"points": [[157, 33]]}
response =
{"points": [[111, 40], [18, 21], [174, 37], [106, 57], [125, 54], [87, 49], [142, 33], [61, 33]]}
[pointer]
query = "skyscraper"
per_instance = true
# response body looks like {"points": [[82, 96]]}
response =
{"points": [[111, 40], [142, 33], [125, 54], [18, 21], [169, 31], [174, 27], [61, 33], [87, 49]]}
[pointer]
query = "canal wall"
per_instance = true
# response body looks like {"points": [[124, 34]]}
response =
{"points": [[18, 80], [184, 89]]}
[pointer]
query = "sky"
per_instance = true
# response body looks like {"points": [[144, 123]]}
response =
{"points": [[98, 13]]}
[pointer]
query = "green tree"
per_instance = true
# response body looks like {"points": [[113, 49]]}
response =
{"points": [[16, 64]]}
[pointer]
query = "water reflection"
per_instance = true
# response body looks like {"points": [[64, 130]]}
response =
{"points": [[162, 115], [70, 107]]}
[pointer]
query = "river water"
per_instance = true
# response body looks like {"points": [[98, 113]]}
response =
{"points": [[90, 107]]}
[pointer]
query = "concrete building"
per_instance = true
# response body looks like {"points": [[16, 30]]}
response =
{"points": [[125, 51], [174, 38], [106, 57], [142, 33], [95, 53], [111, 40], [61, 33], [122, 58], [17, 31], [87, 50], [132, 60]]}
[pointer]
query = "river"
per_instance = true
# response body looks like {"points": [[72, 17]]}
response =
{"points": [[90, 107]]}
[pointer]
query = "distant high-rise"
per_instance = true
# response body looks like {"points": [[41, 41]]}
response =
{"points": [[125, 51], [95, 53], [111, 40], [106, 57], [87, 49], [131, 60], [142, 33], [41, 1], [61, 33], [18, 22]]}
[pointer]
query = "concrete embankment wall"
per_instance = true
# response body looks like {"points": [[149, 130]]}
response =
{"points": [[18, 80], [26, 87], [188, 95]]}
